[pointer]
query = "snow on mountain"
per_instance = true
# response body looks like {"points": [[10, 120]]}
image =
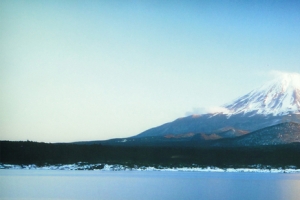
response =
{"points": [[278, 97]]}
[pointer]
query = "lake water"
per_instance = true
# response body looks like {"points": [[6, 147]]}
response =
{"points": [[112, 185]]}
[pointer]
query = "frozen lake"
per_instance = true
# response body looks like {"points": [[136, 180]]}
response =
{"points": [[54, 184]]}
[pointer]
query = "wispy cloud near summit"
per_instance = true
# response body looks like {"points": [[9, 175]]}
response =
{"points": [[205, 110]]}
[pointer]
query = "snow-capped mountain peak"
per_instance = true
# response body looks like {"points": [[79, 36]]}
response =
{"points": [[278, 97]]}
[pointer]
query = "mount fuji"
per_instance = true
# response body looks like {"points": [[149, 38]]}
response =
{"points": [[262, 112], [276, 102]]}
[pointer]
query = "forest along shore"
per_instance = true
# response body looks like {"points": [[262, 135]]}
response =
{"points": [[28, 154]]}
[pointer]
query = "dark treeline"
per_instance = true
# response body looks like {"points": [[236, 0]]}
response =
{"points": [[47, 153]]}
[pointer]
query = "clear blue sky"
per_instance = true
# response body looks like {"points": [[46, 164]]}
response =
{"points": [[93, 70]]}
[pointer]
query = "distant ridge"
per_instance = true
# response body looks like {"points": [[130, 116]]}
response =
{"points": [[284, 133]]}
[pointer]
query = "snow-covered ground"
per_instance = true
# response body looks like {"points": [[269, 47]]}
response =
{"points": [[116, 167]]}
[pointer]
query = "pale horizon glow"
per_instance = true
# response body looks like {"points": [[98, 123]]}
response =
{"points": [[95, 70]]}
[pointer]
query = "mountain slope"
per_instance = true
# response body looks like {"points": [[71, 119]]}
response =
{"points": [[280, 134], [284, 133], [210, 123]]}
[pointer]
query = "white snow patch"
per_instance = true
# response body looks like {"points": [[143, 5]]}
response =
{"points": [[117, 167]]}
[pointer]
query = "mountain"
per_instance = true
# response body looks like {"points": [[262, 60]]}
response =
{"points": [[284, 133], [273, 103]]}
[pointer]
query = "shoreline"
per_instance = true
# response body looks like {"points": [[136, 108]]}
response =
{"points": [[117, 167]]}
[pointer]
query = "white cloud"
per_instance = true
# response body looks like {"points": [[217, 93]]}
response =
{"points": [[217, 109], [210, 109]]}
